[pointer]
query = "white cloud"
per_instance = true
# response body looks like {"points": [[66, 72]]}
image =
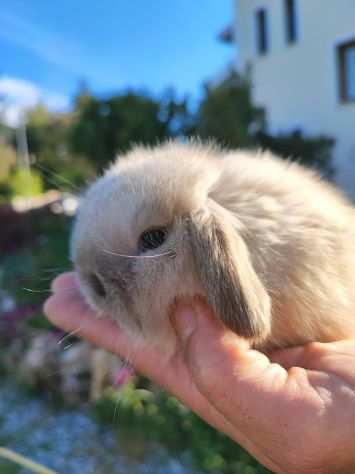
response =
{"points": [[18, 96], [13, 89]]}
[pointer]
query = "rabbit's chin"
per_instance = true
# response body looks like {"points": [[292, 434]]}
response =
{"points": [[164, 341]]}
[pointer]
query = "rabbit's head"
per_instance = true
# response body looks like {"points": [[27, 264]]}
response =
{"points": [[150, 232]]}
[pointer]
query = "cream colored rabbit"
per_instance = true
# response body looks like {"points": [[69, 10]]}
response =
{"points": [[268, 245]]}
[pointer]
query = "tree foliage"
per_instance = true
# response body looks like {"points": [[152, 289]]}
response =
{"points": [[79, 143], [228, 114], [104, 127], [48, 140]]}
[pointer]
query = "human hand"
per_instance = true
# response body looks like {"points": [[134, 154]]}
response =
{"points": [[293, 410]]}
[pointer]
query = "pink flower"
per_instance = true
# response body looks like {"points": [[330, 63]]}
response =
{"points": [[123, 376]]}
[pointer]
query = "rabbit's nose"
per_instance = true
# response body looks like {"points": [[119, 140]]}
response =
{"points": [[97, 285]]}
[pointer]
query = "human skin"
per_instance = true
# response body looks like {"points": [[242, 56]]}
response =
{"points": [[294, 410]]}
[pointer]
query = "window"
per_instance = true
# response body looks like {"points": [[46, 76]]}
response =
{"points": [[291, 23], [346, 61], [261, 31]]}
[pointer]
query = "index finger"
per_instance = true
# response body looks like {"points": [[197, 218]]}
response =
{"points": [[67, 309]]}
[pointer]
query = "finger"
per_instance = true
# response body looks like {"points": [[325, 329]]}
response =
{"points": [[308, 356], [242, 383], [64, 282], [68, 311], [332, 357], [293, 357]]}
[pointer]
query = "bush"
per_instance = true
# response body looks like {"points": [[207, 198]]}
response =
{"points": [[69, 174], [162, 418], [314, 152], [48, 135], [5, 192], [26, 183], [7, 161], [35, 265], [16, 180]]}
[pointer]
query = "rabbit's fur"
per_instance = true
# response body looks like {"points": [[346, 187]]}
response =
{"points": [[268, 244]]}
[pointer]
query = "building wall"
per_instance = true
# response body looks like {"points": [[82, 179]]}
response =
{"points": [[298, 83]]}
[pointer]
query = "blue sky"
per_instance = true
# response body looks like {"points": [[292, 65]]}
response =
{"points": [[47, 47]]}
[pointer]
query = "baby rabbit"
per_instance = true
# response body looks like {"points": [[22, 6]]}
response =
{"points": [[266, 243]]}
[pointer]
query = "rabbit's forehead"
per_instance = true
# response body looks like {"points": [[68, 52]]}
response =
{"points": [[119, 210], [154, 200]]}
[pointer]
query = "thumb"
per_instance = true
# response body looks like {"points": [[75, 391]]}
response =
{"points": [[239, 382], [205, 342]]}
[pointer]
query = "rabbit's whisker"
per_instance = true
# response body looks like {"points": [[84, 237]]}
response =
{"points": [[168, 253], [70, 334], [36, 291], [57, 177]]}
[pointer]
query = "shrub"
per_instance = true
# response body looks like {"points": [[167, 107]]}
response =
{"points": [[26, 183], [7, 161], [314, 152], [162, 418]]}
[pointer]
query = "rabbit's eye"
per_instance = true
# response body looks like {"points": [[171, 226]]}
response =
{"points": [[152, 239]]}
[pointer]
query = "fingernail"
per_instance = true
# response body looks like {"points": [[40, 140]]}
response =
{"points": [[185, 322]]}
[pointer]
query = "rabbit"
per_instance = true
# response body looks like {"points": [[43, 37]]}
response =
{"points": [[266, 243]]}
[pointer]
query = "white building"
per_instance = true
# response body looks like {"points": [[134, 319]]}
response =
{"points": [[302, 59]]}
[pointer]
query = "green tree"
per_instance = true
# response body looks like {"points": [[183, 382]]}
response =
{"points": [[228, 114], [48, 134], [48, 140], [103, 127]]}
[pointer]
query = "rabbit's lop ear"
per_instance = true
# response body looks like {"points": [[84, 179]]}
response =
{"points": [[232, 287]]}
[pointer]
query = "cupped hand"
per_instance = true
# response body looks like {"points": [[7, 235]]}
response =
{"points": [[294, 410]]}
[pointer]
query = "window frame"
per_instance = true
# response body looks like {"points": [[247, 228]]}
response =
{"points": [[262, 31], [291, 21], [343, 86]]}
